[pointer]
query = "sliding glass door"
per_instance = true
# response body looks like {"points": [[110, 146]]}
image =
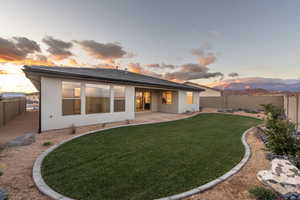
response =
{"points": [[142, 100]]}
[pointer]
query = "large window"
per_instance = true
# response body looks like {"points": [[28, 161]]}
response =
{"points": [[119, 99], [97, 98], [189, 97], [71, 98], [167, 97]]}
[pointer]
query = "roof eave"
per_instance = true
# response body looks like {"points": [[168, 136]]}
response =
{"points": [[28, 70]]}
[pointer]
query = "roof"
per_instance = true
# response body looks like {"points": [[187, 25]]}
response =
{"points": [[202, 86], [108, 75], [11, 95]]}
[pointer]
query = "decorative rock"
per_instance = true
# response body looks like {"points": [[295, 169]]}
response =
{"points": [[3, 194], [271, 156], [283, 177], [291, 196], [23, 140]]}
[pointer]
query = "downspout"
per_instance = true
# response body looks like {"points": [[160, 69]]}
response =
{"points": [[40, 109]]}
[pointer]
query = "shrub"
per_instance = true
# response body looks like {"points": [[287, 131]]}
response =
{"points": [[279, 132], [73, 129], [296, 159], [261, 193], [47, 143], [273, 111], [280, 137], [1, 173]]}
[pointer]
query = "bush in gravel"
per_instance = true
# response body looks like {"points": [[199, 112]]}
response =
{"points": [[296, 160], [280, 138], [280, 133], [1, 172], [273, 111], [261, 193], [47, 143], [73, 129]]}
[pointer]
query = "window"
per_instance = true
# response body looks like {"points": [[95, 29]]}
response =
{"points": [[97, 98], [71, 102], [167, 97], [189, 97], [119, 99]]}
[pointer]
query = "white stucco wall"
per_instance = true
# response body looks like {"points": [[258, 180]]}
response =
{"points": [[168, 108], [51, 107], [154, 100], [183, 106]]}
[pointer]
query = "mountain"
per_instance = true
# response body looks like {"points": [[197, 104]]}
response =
{"points": [[260, 85]]}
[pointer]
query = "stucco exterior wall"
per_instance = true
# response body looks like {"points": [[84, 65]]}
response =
{"points": [[183, 106], [154, 100], [168, 108], [51, 107]]}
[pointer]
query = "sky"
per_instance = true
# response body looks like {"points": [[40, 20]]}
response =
{"points": [[207, 41]]}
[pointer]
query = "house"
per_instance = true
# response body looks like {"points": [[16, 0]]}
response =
{"points": [[209, 92], [85, 96]]}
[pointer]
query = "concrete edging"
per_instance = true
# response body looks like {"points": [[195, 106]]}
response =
{"points": [[45, 189]]}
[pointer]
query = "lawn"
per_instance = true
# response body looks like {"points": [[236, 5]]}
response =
{"points": [[147, 161]]}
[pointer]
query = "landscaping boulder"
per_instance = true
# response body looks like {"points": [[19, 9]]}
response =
{"points": [[23, 140], [3, 194], [283, 177]]}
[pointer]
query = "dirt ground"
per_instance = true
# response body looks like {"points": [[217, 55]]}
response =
{"points": [[27, 122], [17, 163]]}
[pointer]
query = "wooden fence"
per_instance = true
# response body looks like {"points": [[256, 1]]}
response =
{"points": [[10, 108]]}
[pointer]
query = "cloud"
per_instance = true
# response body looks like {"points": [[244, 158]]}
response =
{"points": [[192, 71], [28, 46], [72, 62], [21, 51], [215, 34], [17, 49], [203, 57], [137, 68], [103, 51], [233, 74], [106, 66], [57, 48], [160, 66], [3, 72]]}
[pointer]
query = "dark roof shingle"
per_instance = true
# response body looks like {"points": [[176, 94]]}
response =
{"points": [[113, 75]]}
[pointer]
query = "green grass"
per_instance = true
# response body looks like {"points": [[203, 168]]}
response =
{"points": [[147, 161]]}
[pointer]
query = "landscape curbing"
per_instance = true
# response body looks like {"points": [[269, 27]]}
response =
{"points": [[45, 189]]}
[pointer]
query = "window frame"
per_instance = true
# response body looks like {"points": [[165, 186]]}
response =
{"points": [[74, 98], [86, 96], [162, 97], [187, 97], [113, 88]]}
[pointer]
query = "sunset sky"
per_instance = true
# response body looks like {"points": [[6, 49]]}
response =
{"points": [[205, 41]]}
